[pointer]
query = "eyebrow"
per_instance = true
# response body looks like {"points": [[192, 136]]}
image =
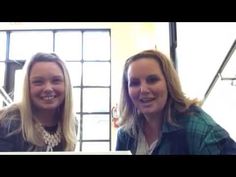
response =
{"points": [[41, 77]]}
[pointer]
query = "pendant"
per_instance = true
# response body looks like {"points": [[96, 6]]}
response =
{"points": [[51, 140], [49, 148]]}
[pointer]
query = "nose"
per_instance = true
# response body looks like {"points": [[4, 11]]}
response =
{"points": [[48, 87], [144, 87]]}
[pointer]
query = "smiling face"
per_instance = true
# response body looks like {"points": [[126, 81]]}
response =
{"points": [[47, 85], [147, 86]]}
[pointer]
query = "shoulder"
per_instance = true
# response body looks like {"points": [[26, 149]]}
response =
{"points": [[123, 135], [10, 124], [196, 119], [204, 135], [124, 141], [10, 136], [121, 132], [200, 122]]}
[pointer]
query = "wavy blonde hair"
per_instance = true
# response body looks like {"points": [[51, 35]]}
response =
{"points": [[177, 102], [67, 119]]}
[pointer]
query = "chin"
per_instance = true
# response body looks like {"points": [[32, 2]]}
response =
{"points": [[48, 106], [148, 111]]}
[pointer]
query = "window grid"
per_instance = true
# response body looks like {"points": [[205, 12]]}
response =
{"points": [[80, 114]]}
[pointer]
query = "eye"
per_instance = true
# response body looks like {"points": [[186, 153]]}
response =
{"points": [[37, 82], [152, 79], [134, 82], [57, 80]]}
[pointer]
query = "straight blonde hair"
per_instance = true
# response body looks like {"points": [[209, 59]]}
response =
{"points": [[24, 106]]}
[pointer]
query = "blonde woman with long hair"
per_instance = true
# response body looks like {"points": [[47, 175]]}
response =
{"points": [[43, 120], [158, 119]]}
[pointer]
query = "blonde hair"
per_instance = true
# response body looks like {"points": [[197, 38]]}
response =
{"points": [[177, 102], [67, 120]]}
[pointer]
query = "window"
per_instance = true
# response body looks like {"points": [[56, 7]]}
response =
{"points": [[88, 59]]}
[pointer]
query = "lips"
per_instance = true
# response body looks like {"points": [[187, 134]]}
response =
{"points": [[48, 97], [146, 100]]}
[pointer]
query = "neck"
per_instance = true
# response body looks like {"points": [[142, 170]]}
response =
{"points": [[152, 128], [46, 118]]}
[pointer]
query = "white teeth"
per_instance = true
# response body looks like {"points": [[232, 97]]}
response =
{"points": [[48, 97]]}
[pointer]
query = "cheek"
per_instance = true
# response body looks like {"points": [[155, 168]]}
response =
{"points": [[164, 97], [164, 94], [61, 89], [133, 93], [34, 90]]}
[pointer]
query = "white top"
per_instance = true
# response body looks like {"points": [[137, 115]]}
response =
{"points": [[142, 147]]}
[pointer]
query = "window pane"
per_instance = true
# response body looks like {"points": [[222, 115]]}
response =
{"points": [[229, 70], [96, 100], [3, 38], [23, 45], [68, 45], [19, 77], [76, 99], [95, 146], [2, 73], [96, 45], [96, 73], [95, 127], [74, 69], [213, 40]]}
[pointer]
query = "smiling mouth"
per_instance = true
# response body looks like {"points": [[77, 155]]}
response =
{"points": [[146, 100], [48, 97]]}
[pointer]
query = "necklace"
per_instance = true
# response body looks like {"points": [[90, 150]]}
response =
{"points": [[51, 140]]}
